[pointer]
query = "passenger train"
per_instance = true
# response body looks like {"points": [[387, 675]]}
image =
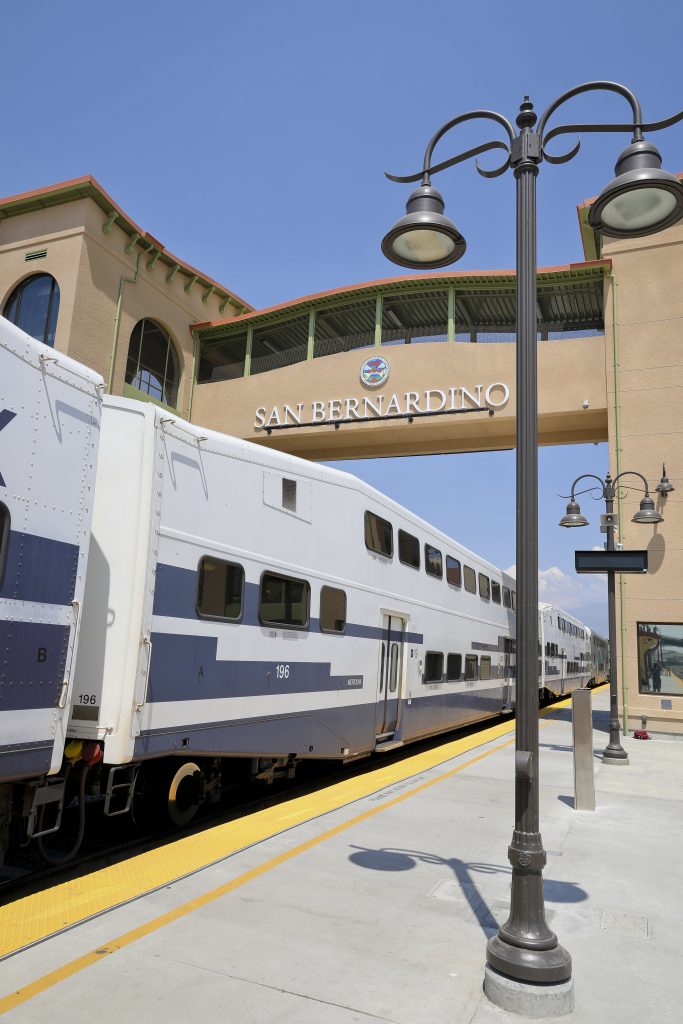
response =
{"points": [[177, 605]]}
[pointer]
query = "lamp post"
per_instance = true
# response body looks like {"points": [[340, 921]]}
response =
{"points": [[614, 753], [525, 955]]}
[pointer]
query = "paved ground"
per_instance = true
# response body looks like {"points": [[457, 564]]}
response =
{"points": [[380, 910]]}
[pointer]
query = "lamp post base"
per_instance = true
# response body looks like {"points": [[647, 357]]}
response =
{"points": [[527, 999], [614, 755]]}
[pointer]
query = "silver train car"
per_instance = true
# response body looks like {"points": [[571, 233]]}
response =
{"points": [[50, 409], [244, 610]]}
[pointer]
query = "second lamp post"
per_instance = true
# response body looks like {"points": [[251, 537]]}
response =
{"points": [[614, 753]]}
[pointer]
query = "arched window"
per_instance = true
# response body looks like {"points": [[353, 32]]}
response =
{"points": [[33, 306], [152, 363]]}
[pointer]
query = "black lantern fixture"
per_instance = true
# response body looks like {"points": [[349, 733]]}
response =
{"points": [[424, 237], [664, 487], [573, 516], [647, 512], [642, 199]]}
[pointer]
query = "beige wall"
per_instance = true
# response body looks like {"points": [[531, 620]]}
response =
{"points": [[649, 316], [88, 266], [570, 372]]}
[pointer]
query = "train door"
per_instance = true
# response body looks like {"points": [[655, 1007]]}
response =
{"points": [[507, 673], [391, 659]]}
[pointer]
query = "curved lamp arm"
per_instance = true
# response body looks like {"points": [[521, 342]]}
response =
{"points": [[471, 115], [633, 472], [637, 126], [588, 476]]}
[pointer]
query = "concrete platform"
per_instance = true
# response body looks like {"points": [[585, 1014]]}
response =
{"points": [[374, 902]]}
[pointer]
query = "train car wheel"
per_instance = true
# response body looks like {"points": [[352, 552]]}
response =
{"points": [[184, 793]]}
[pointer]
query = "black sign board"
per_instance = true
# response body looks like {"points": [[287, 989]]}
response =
{"points": [[610, 561]]}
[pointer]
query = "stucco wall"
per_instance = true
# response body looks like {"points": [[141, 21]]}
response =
{"points": [[649, 318]]}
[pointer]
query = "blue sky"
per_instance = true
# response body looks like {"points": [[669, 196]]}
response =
{"points": [[252, 141]]}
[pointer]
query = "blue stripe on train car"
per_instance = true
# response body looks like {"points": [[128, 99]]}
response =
{"points": [[317, 732], [32, 662], [186, 668], [22, 761], [175, 596], [39, 569]]}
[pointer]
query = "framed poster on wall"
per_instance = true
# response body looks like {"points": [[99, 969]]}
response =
{"points": [[660, 658]]}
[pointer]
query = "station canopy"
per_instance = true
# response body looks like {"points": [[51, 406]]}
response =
{"points": [[456, 307]]}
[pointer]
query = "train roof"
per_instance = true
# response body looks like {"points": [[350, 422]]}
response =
{"points": [[271, 458]]}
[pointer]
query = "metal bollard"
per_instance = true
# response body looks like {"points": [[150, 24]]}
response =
{"points": [[582, 733]]}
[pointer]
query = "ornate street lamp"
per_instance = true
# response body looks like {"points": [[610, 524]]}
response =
{"points": [[525, 954], [613, 753]]}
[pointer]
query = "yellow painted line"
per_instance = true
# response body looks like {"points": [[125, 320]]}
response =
{"points": [[34, 988], [35, 917]]}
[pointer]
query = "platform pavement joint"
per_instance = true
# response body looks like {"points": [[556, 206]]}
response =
{"points": [[380, 909]]}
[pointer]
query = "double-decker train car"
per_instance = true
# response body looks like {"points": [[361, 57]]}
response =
{"points": [[243, 609], [599, 659], [49, 432], [565, 651]]}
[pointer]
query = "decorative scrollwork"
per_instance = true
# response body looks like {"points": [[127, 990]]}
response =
{"points": [[472, 115]]}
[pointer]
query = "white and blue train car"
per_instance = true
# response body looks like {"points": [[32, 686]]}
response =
{"points": [[241, 602], [50, 410], [565, 661]]}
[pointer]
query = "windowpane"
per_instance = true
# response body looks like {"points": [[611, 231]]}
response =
{"points": [[33, 306], [454, 666], [433, 667], [332, 610], [408, 549], [221, 584], [453, 571], [284, 601], [433, 561], [470, 580], [484, 587], [507, 603], [378, 535], [485, 667], [471, 666], [4, 537], [152, 365], [495, 592], [393, 668], [514, 601]]}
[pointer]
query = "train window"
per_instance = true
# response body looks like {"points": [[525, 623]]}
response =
{"points": [[484, 587], [495, 592], [289, 494], [453, 666], [220, 589], [471, 666], [393, 668], [485, 667], [4, 537], [379, 535], [470, 580], [433, 667], [507, 603], [408, 549], [433, 562], [284, 601], [514, 600], [453, 571], [332, 610]]}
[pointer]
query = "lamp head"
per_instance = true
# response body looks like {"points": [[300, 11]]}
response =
{"points": [[647, 512], [573, 516], [642, 199], [424, 239], [664, 487]]}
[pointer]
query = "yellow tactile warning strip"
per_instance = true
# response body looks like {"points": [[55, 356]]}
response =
{"points": [[43, 914]]}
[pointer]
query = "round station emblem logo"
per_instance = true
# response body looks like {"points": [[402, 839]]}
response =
{"points": [[374, 372]]}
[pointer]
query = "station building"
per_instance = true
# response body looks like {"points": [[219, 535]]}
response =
{"points": [[79, 274]]}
